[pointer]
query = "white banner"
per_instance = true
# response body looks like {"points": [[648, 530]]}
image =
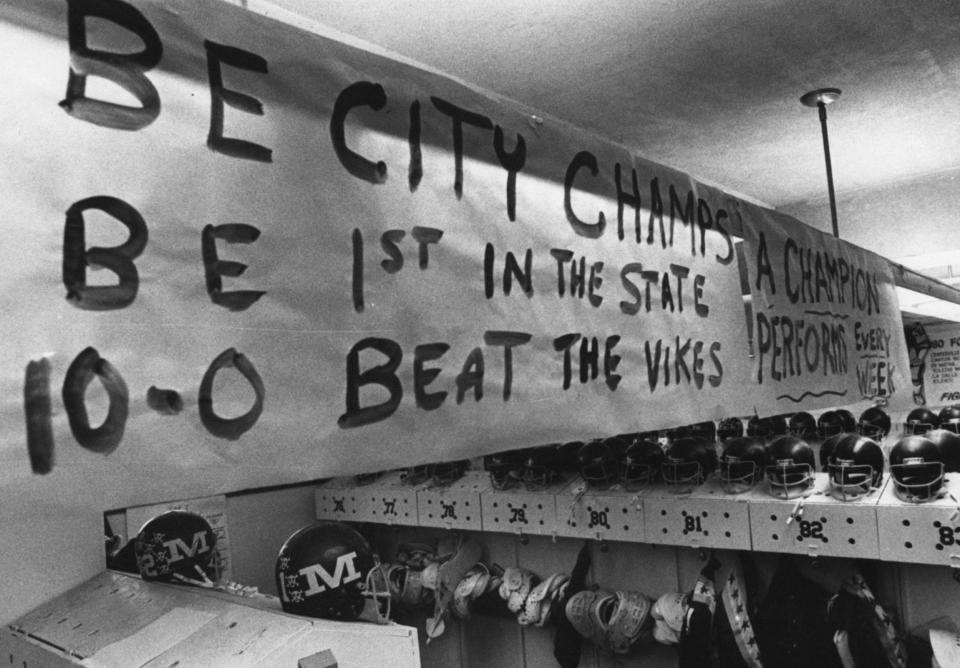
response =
{"points": [[239, 253], [826, 324]]}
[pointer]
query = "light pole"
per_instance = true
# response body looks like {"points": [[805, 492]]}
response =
{"points": [[820, 98]]}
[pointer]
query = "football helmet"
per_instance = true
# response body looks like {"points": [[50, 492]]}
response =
{"points": [[790, 467], [920, 421], [803, 425], [688, 462], [178, 546], [874, 423], [855, 467], [766, 428], [949, 417], [826, 448], [328, 570], [640, 463], [729, 427], [828, 424], [504, 468], [847, 420], [598, 465], [416, 475], [544, 465], [742, 464], [916, 467], [949, 444], [446, 473]]}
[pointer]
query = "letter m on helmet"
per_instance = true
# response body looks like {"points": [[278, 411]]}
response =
{"points": [[179, 549], [344, 571]]}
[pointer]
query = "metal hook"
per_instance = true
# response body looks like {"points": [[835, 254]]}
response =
{"points": [[522, 537], [603, 543], [797, 511]]}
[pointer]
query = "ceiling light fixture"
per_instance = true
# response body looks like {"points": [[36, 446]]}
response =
{"points": [[820, 98]]}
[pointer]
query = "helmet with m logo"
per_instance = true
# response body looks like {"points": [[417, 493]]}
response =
{"points": [[178, 546], [328, 570]]}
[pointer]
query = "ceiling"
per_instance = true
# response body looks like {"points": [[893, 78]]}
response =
{"points": [[712, 87]]}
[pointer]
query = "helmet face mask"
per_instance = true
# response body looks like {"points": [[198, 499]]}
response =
{"points": [[790, 467], [949, 418], [540, 467], [920, 421], [504, 469], [874, 423], [640, 464], [917, 469], [741, 465], [598, 466], [376, 593], [849, 481], [917, 481], [854, 467], [688, 462]]}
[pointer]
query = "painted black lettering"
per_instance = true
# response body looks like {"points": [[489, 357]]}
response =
{"points": [[214, 267], [230, 428], [245, 60], [384, 375], [84, 367], [460, 116], [513, 163], [118, 259], [359, 94], [588, 230], [422, 377], [124, 69]]}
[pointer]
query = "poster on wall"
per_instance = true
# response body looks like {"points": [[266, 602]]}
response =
{"points": [[242, 253], [934, 362], [826, 323]]}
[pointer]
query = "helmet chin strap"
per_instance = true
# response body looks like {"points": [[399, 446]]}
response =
{"points": [[204, 581]]}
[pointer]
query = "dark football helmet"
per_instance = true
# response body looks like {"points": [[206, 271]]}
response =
{"points": [[598, 464], [803, 425], [847, 420], [828, 424], [790, 467], [416, 475], [446, 473], [729, 427], [949, 444], [874, 423], [328, 570], [916, 467], [544, 465], [855, 467], [640, 463], [504, 468], [742, 464], [767, 428], [826, 448], [178, 546], [688, 462], [949, 418], [920, 421]]}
